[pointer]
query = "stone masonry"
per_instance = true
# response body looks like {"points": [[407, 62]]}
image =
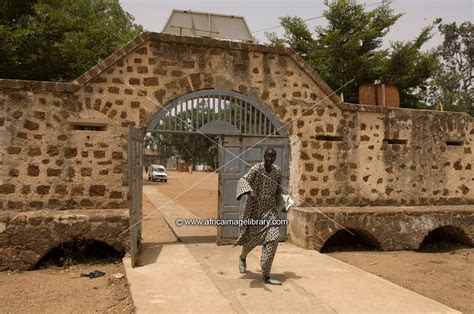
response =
{"points": [[64, 145], [342, 154], [26, 237], [386, 227]]}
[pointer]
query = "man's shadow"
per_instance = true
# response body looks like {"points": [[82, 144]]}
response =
{"points": [[257, 279]]}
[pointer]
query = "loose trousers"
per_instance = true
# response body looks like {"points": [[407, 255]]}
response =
{"points": [[268, 253]]}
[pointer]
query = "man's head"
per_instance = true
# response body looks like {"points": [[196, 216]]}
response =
{"points": [[269, 157]]}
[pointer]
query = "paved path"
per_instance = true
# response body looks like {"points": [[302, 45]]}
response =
{"points": [[195, 275]]}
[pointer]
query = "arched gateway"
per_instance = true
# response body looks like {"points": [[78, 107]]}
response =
{"points": [[218, 112], [244, 127]]}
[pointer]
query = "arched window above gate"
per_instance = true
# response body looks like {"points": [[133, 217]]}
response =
{"points": [[216, 112]]}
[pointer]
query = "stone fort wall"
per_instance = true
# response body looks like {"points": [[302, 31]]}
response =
{"points": [[341, 154]]}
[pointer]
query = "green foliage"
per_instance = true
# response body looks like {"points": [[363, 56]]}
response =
{"points": [[452, 82], [60, 39], [12, 10], [350, 47], [194, 148], [409, 68], [347, 47], [179, 137], [297, 36], [189, 146]]}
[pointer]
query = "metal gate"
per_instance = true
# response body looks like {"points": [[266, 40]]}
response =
{"points": [[241, 122], [135, 188], [216, 112], [249, 151]]}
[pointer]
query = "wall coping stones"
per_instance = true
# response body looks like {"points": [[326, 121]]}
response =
{"points": [[346, 106], [387, 209], [38, 85], [69, 212], [90, 214]]}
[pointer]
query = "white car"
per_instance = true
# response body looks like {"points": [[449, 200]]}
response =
{"points": [[157, 172]]}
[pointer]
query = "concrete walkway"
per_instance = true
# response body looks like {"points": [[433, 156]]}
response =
{"points": [[195, 275]]}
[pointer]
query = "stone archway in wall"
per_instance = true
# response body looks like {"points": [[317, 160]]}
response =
{"points": [[154, 70], [245, 129]]}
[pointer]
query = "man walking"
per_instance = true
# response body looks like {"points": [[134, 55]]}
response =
{"points": [[262, 184]]}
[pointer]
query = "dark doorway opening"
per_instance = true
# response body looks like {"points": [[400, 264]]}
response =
{"points": [[445, 239], [344, 241], [82, 251]]}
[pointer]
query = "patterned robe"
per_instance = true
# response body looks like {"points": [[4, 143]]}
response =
{"points": [[266, 185]]}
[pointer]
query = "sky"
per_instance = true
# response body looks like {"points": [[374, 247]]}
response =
{"points": [[262, 14]]}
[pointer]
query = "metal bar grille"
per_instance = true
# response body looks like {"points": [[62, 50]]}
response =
{"points": [[192, 114], [189, 114], [254, 122], [235, 112], [245, 121], [240, 116]]}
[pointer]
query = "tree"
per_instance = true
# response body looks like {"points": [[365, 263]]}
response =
{"points": [[452, 83], [410, 69], [189, 146], [60, 39], [179, 128], [12, 10], [193, 148], [350, 48]]}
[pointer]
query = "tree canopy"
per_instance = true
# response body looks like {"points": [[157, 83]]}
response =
{"points": [[350, 48], [189, 146], [60, 39], [193, 148], [451, 84]]}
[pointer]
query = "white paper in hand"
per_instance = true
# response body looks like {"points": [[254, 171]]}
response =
{"points": [[284, 202]]}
